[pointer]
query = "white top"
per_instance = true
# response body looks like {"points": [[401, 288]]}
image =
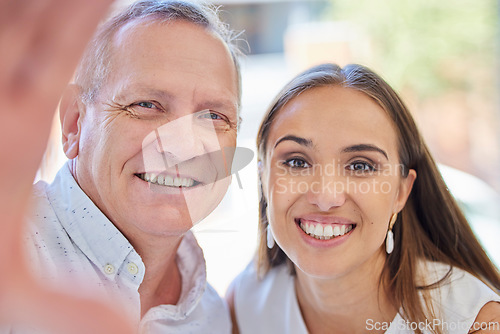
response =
{"points": [[71, 240], [270, 305]]}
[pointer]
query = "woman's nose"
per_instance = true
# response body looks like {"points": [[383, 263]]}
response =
{"points": [[327, 191]]}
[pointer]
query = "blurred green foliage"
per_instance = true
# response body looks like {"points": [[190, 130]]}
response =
{"points": [[429, 46]]}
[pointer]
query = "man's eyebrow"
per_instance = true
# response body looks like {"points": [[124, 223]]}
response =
{"points": [[144, 90], [162, 95], [364, 147], [298, 140], [218, 105]]}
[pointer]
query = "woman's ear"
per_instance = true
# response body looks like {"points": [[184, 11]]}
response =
{"points": [[404, 190], [261, 175], [71, 110], [259, 167]]}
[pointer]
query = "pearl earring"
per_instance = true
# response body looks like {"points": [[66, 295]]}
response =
{"points": [[270, 238], [389, 240]]}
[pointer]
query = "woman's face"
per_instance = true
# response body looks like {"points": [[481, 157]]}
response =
{"points": [[332, 180]]}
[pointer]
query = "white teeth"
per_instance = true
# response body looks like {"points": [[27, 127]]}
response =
{"points": [[318, 230], [177, 182], [167, 180], [310, 228], [326, 232]]}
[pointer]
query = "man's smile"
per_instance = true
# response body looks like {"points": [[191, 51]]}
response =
{"points": [[168, 180]]}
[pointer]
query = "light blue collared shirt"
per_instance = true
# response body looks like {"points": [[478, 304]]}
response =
{"points": [[73, 245]]}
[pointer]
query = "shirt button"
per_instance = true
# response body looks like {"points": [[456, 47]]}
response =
{"points": [[132, 268], [109, 269]]}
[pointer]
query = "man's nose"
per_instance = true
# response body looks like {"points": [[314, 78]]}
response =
{"points": [[179, 140], [327, 191]]}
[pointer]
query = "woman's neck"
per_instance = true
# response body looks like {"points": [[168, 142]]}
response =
{"points": [[346, 303]]}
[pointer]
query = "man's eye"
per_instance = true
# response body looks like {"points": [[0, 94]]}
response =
{"points": [[145, 104], [212, 115], [296, 163]]}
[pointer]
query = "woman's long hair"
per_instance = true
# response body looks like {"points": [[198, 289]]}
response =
{"points": [[431, 226]]}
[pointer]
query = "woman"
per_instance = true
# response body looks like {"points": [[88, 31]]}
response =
{"points": [[358, 232]]}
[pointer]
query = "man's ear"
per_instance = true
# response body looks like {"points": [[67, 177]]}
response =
{"points": [[71, 111]]}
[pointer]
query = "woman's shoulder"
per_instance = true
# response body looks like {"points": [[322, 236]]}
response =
{"points": [[446, 277], [266, 304], [459, 294], [249, 288]]}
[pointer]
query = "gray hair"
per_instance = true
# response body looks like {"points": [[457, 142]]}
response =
{"points": [[94, 66]]}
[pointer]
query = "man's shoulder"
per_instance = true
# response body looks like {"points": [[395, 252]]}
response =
{"points": [[49, 248], [39, 194], [40, 217]]}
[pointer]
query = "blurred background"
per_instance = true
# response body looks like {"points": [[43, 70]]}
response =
{"points": [[441, 56]]}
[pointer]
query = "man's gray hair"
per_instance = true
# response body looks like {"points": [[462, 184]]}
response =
{"points": [[94, 66]]}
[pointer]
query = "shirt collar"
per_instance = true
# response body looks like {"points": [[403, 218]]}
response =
{"points": [[85, 224], [192, 267]]}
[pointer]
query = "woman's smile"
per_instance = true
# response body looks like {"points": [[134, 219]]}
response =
{"points": [[323, 231]]}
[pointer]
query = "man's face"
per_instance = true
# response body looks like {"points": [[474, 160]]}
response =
{"points": [[170, 99]]}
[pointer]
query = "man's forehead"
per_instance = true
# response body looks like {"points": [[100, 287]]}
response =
{"points": [[142, 26], [167, 42], [131, 27]]}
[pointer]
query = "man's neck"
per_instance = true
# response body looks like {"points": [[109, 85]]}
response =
{"points": [[162, 283]]}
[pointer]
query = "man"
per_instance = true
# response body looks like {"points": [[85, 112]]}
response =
{"points": [[145, 126]]}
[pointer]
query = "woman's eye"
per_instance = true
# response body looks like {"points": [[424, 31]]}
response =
{"points": [[297, 163], [361, 167]]}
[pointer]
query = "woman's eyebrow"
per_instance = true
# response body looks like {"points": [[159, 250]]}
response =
{"points": [[364, 147], [298, 140]]}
